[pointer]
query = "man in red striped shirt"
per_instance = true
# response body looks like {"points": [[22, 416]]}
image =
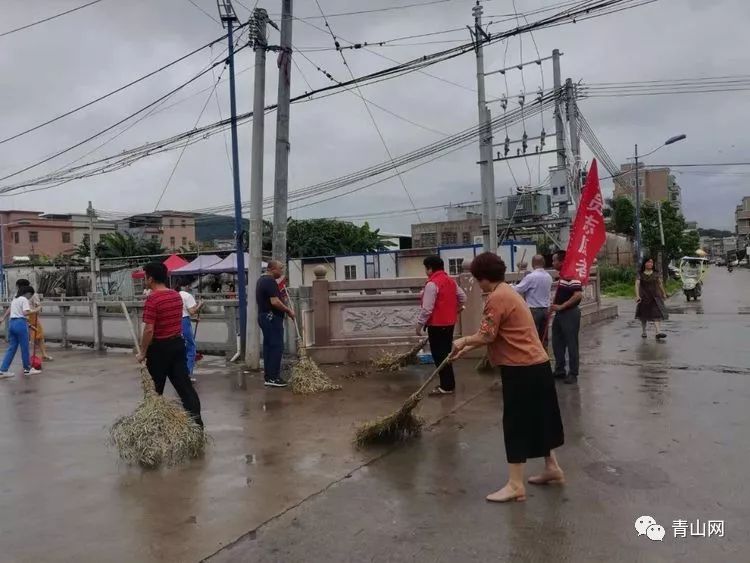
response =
{"points": [[162, 344]]}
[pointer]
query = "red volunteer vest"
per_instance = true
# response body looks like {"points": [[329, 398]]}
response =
{"points": [[445, 312]]}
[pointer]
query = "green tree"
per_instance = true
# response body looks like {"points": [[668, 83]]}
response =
{"points": [[674, 228], [122, 245], [326, 237], [690, 242], [623, 216]]}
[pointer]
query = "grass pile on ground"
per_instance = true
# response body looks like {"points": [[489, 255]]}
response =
{"points": [[397, 427], [307, 378], [158, 433], [391, 361]]}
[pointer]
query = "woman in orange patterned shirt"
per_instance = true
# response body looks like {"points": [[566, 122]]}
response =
{"points": [[532, 426]]}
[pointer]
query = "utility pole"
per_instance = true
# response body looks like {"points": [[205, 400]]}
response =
{"points": [[92, 264], [662, 253], [228, 19], [2, 259], [281, 180], [575, 141], [560, 140], [252, 345], [486, 173], [637, 210]]}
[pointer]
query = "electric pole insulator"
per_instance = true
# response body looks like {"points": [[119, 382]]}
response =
{"points": [[507, 145]]}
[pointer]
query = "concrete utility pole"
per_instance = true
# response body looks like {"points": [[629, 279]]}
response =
{"points": [[2, 260], [228, 19], [252, 345], [575, 141], [562, 162], [92, 263], [281, 180], [486, 163], [637, 211]]}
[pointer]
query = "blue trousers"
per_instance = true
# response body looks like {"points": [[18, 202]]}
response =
{"points": [[187, 334], [18, 335], [272, 327]]}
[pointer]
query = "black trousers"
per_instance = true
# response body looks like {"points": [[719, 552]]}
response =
{"points": [[565, 329], [166, 359], [441, 344], [540, 318]]}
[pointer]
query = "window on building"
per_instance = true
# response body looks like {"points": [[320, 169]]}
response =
{"points": [[66, 238], [171, 242], [184, 242], [429, 239], [154, 237], [466, 238], [171, 223], [350, 272], [16, 237], [33, 236], [183, 223], [86, 238], [455, 266], [447, 238]]}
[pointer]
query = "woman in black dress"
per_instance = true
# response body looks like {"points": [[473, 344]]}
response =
{"points": [[650, 296]]}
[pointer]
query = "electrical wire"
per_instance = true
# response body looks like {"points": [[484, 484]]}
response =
{"points": [[65, 13], [113, 92], [182, 152], [369, 112], [109, 164], [109, 128], [204, 12]]}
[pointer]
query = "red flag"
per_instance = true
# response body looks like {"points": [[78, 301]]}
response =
{"points": [[588, 234]]}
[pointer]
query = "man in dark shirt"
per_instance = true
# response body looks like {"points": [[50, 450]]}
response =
{"points": [[162, 344], [567, 323], [271, 311]]}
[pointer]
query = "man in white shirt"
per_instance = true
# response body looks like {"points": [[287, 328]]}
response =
{"points": [[18, 332], [189, 308], [536, 288]]}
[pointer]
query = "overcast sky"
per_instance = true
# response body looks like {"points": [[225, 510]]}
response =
{"points": [[60, 64]]}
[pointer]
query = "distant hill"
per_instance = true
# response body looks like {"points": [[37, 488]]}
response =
{"points": [[715, 233], [209, 227]]}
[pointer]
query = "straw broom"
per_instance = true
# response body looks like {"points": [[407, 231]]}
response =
{"points": [[159, 431], [307, 378], [388, 361], [402, 424]]}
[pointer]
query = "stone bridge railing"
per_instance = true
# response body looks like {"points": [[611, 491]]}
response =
{"points": [[353, 320]]}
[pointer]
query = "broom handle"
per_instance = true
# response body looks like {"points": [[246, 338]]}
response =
{"points": [[130, 326], [434, 374], [296, 326]]}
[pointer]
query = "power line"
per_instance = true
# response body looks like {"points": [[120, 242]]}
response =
{"points": [[99, 133], [182, 152], [113, 92], [65, 13], [369, 112], [376, 10], [127, 157], [204, 11]]}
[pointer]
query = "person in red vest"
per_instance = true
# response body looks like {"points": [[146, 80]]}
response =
{"points": [[442, 300]]}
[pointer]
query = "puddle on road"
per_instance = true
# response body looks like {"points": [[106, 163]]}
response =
{"points": [[627, 474]]}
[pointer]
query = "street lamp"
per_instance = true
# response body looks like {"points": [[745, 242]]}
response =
{"points": [[669, 141]]}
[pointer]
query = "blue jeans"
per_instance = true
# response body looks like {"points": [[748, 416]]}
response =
{"points": [[187, 334], [18, 335], [272, 327]]}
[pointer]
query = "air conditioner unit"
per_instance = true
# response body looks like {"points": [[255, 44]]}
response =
{"points": [[479, 239]]}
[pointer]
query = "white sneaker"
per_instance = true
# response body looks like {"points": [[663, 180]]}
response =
{"points": [[5, 375], [32, 371]]}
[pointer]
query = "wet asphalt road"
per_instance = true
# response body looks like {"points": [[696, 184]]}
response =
{"points": [[655, 429]]}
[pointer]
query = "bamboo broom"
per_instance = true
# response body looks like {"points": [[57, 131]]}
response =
{"points": [[402, 424], [159, 431]]}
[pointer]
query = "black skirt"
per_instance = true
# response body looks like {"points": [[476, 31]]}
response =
{"points": [[531, 416]]}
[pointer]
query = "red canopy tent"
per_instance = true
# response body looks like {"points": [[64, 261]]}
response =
{"points": [[172, 263]]}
